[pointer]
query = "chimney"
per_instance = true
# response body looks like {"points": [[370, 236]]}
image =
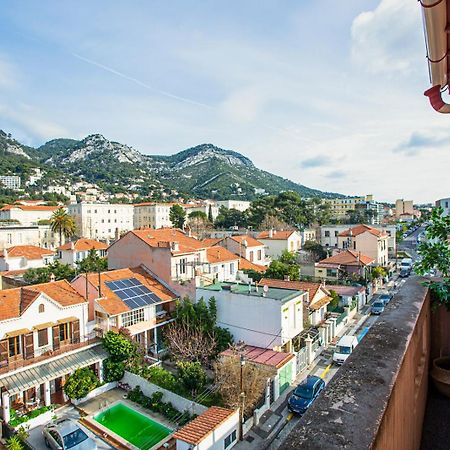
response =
{"points": [[175, 246], [52, 277], [271, 233], [72, 245]]}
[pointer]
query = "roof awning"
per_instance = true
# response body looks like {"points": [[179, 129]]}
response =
{"points": [[319, 303], [17, 332], [42, 326], [68, 319], [37, 375], [140, 327]]}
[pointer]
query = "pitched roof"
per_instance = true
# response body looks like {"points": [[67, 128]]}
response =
{"points": [[276, 235], [348, 258], [219, 254], [203, 425], [26, 251], [264, 356], [359, 229], [31, 207], [13, 302], [211, 241], [345, 290], [251, 241], [163, 237], [111, 302], [245, 264], [84, 244]]}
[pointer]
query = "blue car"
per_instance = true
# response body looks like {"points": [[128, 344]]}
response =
{"points": [[305, 394], [377, 307]]}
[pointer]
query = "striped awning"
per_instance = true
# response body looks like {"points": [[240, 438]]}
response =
{"points": [[34, 376]]}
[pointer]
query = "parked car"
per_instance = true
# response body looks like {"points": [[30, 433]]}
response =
{"points": [[65, 434], [404, 273], [344, 348], [377, 307], [305, 393], [385, 298]]}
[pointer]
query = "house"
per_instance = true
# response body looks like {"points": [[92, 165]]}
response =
{"points": [[367, 240], [22, 257], [444, 203], [152, 215], [247, 247], [245, 264], [43, 339], [346, 262], [308, 234], [128, 298], [17, 234], [240, 205], [204, 207], [260, 316], [215, 429], [102, 220], [75, 251], [27, 215], [222, 264], [348, 293], [315, 307], [278, 241]]}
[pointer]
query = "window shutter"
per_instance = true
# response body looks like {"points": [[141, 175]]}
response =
{"points": [[55, 337], [75, 325], [4, 353], [28, 345]]}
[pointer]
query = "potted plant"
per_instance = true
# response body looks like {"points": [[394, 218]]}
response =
{"points": [[435, 254]]}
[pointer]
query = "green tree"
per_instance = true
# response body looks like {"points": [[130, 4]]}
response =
{"points": [[113, 370], [80, 383], [228, 218], [44, 274], [379, 272], [62, 223], [92, 263], [210, 214], [120, 347], [334, 303], [284, 267], [198, 221], [315, 249], [14, 443], [177, 216], [192, 376]]}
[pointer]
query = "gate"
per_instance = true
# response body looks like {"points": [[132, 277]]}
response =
{"points": [[302, 360]]}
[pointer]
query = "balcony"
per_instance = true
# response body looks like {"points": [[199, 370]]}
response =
{"points": [[381, 398]]}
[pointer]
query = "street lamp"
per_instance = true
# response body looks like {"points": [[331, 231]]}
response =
{"points": [[242, 398]]}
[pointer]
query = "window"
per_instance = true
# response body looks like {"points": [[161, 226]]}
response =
{"points": [[232, 268], [354, 245], [327, 233], [336, 233], [183, 266], [251, 256], [132, 317], [64, 332], [260, 253], [331, 273], [41, 308], [14, 345], [42, 337], [229, 439]]}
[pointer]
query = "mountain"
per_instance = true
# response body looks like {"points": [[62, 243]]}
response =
{"points": [[202, 171]]}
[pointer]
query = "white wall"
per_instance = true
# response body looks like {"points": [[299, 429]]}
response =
{"points": [[26, 217]]}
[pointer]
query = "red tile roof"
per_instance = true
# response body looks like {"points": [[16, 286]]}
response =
{"points": [[359, 229], [84, 244], [251, 241], [31, 208], [348, 258], [219, 254], [264, 356], [203, 425], [26, 251], [211, 241], [276, 235], [245, 264]]}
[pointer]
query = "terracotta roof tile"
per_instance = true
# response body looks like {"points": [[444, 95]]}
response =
{"points": [[276, 235], [210, 242], [203, 425], [251, 241], [245, 264], [26, 251], [348, 258], [219, 254], [264, 356], [84, 244], [359, 229], [31, 207]]}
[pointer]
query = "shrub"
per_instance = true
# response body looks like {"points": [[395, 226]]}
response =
{"points": [[120, 348], [192, 376], [162, 377], [113, 371], [14, 443], [80, 383]]}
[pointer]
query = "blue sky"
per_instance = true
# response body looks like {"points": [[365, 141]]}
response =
{"points": [[327, 93]]}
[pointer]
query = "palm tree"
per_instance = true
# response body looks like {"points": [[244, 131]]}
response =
{"points": [[62, 223]]}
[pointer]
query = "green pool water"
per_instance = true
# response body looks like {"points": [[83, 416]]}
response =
{"points": [[133, 426]]}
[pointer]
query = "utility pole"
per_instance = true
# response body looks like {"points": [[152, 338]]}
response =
{"points": [[242, 399]]}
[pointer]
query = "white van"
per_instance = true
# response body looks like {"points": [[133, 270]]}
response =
{"points": [[406, 263], [344, 348]]}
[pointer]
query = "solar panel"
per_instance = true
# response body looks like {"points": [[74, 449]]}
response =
{"points": [[133, 292]]}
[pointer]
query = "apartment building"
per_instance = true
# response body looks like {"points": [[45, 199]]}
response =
{"points": [[308, 234], [247, 247], [240, 205], [206, 208], [132, 299], [101, 220], [223, 265], [44, 337], [10, 182], [75, 251], [444, 203], [38, 235], [264, 317], [23, 257], [27, 214], [152, 215], [341, 206], [276, 242], [366, 240], [403, 207]]}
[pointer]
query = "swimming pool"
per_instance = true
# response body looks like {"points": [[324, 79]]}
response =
{"points": [[132, 426]]}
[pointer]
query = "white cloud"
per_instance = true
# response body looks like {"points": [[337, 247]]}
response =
{"points": [[385, 39], [8, 74]]}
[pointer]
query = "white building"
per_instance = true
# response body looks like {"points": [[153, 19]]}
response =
{"points": [[223, 264], [444, 203], [38, 235], [74, 252], [260, 316], [23, 257], [35, 177], [27, 215], [205, 208], [152, 215], [240, 205], [247, 247], [101, 220], [10, 182], [278, 241], [309, 234], [44, 337]]}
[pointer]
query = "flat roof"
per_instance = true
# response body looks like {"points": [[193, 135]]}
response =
{"points": [[254, 291]]}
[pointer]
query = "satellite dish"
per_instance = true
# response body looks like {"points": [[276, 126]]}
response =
{"points": [[266, 288]]}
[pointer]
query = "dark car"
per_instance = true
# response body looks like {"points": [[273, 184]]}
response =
{"points": [[404, 273], [305, 394], [385, 298], [377, 307]]}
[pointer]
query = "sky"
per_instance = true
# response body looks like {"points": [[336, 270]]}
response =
{"points": [[326, 93]]}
